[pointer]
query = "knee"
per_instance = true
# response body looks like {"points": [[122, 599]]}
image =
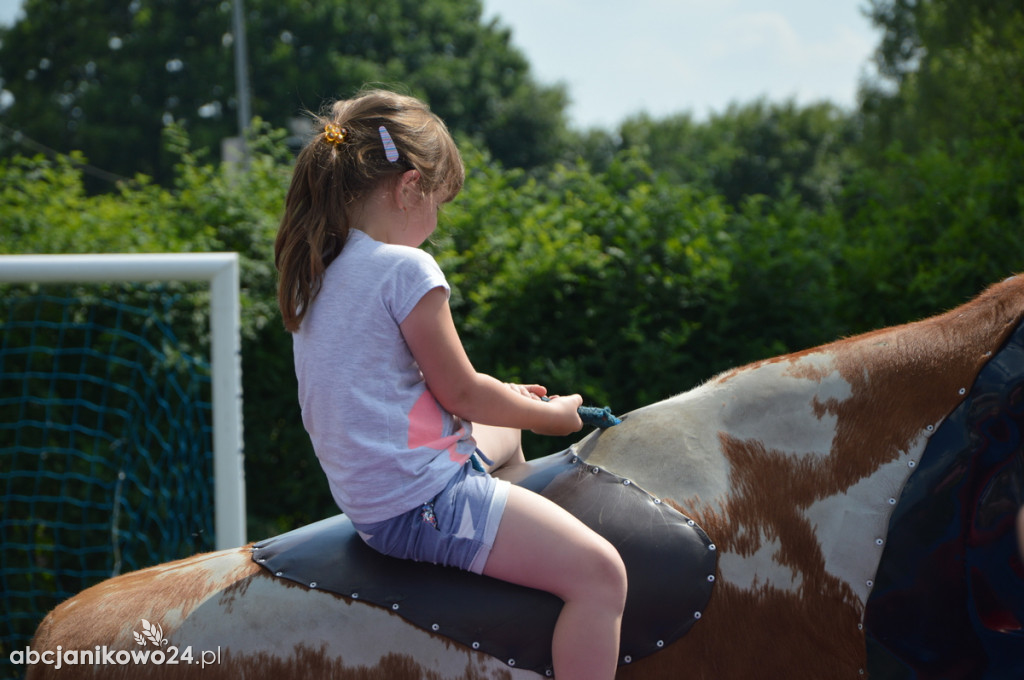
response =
{"points": [[619, 579], [605, 575]]}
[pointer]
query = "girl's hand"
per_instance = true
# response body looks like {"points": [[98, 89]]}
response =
{"points": [[564, 416], [530, 391]]}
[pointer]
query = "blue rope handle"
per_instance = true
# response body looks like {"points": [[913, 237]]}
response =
{"points": [[596, 417], [590, 415]]}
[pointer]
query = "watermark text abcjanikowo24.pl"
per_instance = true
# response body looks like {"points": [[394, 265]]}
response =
{"points": [[164, 653]]}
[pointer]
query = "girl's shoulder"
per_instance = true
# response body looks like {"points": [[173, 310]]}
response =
{"points": [[385, 256], [359, 241]]}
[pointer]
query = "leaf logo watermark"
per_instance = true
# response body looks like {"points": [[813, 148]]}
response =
{"points": [[151, 632]]}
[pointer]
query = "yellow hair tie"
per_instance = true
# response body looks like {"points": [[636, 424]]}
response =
{"points": [[334, 133]]}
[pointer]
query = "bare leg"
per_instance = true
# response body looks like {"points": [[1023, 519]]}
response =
{"points": [[502, 445], [540, 545]]}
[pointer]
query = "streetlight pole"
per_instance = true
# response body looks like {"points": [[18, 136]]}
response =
{"points": [[241, 76]]}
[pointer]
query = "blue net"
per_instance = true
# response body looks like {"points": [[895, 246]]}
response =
{"points": [[105, 444]]}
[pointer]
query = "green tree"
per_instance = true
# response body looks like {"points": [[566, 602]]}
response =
{"points": [[951, 72], [760, 148], [928, 232], [105, 76], [442, 51], [938, 212]]}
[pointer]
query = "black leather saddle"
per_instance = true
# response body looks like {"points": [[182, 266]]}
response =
{"points": [[671, 565]]}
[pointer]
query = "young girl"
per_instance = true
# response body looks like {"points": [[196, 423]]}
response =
{"points": [[392, 404]]}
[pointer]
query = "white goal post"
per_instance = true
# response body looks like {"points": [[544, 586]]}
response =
{"points": [[221, 271]]}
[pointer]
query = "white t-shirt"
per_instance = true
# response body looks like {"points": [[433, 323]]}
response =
{"points": [[382, 438]]}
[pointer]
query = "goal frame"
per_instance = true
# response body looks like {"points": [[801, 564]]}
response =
{"points": [[220, 270]]}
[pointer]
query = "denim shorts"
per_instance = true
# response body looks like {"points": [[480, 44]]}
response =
{"points": [[456, 528]]}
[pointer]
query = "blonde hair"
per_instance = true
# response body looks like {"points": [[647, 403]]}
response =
{"points": [[333, 172]]}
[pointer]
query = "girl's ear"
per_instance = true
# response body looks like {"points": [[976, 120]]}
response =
{"points": [[407, 188]]}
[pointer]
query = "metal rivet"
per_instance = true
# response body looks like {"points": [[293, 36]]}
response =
{"points": [[627, 659], [962, 391], [595, 470], [574, 460], [660, 643], [511, 662], [435, 627], [861, 671], [549, 672], [262, 560], [696, 615], [879, 541], [625, 482], [278, 573], [711, 578], [691, 523], [476, 645], [355, 596], [712, 547], [313, 584], [860, 626], [988, 353], [394, 607], [892, 501], [930, 428], [657, 501], [870, 583]]}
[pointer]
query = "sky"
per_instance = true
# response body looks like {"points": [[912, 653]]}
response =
{"points": [[663, 57], [8, 10]]}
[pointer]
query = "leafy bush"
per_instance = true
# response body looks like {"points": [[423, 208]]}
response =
{"points": [[620, 285]]}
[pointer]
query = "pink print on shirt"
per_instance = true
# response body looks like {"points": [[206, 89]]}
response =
{"points": [[426, 428]]}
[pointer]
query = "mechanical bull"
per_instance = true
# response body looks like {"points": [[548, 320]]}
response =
{"points": [[862, 500]]}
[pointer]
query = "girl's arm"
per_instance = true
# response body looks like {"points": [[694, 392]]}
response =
{"points": [[430, 333]]}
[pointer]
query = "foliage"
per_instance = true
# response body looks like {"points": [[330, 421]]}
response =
{"points": [[67, 65], [575, 279], [604, 267], [937, 211], [635, 268], [441, 51], [952, 73], [760, 148], [62, 62], [929, 232]]}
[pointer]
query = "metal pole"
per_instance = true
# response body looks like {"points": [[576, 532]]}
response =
{"points": [[241, 75]]}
